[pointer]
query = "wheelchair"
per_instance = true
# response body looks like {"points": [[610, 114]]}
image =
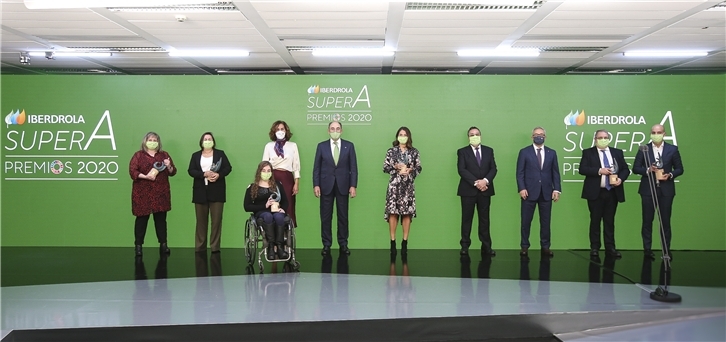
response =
{"points": [[255, 240]]}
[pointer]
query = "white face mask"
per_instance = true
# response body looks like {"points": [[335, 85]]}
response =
{"points": [[280, 135]]}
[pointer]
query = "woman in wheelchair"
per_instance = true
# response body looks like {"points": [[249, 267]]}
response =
{"points": [[266, 198]]}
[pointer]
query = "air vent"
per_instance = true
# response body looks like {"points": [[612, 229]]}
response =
{"points": [[221, 6], [569, 48], [439, 6], [81, 71], [116, 49], [610, 71]]}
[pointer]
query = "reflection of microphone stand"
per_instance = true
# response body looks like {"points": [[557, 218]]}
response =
{"points": [[661, 293]]}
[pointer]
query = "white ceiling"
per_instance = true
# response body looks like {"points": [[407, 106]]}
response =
{"points": [[575, 36]]}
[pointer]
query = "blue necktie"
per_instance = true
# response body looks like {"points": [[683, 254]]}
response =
{"points": [[478, 157], [607, 166]]}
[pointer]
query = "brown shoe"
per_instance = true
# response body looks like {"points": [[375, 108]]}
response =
{"points": [[547, 252]]}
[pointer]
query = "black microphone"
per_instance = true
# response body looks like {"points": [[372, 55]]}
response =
{"points": [[644, 148]]}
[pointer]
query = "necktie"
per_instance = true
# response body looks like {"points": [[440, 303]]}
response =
{"points": [[539, 157], [478, 157], [336, 152], [607, 166]]}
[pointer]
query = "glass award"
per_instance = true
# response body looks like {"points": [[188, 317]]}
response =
{"points": [[659, 173], [614, 169], [275, 207], [216, 166], [158, 167]]}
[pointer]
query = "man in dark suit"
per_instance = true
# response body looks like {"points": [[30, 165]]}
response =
{"points": [[335, 176], [665, 188], [602, 194], [538, 182], [477, 169]]}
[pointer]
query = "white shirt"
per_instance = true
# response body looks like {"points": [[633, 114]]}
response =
{"points": [[206, 164], [291, 161], [542, 152], [657, 151], [602, 164]]}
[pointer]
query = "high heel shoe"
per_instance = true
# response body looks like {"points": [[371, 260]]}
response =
{"points": [[404, 247], [393, 247]]}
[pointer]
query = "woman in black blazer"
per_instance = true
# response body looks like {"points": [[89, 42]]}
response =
{"points": [[209, 167]]}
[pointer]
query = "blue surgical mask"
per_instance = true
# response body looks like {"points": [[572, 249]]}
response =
{"points": [[538, 140]]}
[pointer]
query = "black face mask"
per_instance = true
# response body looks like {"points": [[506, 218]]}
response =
{"points": [[538, 140]]}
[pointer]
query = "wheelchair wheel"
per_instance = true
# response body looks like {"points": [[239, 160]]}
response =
{"points": [[250, 242]]}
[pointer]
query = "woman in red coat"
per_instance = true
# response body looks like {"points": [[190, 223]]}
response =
{"points": [[150, 169]]}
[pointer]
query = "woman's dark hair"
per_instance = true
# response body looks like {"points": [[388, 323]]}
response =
{"points": [[409, 142], [273, 129], [256, 185], [201, 140]]}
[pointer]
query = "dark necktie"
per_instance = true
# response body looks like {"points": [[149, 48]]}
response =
{"points": [[478, 157], [607, 166], [539, 157]]}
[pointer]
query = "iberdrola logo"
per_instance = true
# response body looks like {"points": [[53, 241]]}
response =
{"points": [[576, 118], [15, 118], [314, 89]]}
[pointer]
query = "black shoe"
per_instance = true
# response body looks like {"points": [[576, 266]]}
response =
{"points": [[464, 252], [393, 248], [164, 249], [546, 252], [649, 254], [325, 251], [345, 250], [271, 252], [281, 253], [488, 253], [138, 250], [614, 253], [404, 247], [524, 252], [594, 253]]}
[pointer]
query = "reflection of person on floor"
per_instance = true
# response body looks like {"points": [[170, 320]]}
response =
{"points": [[471, 303], [151, 303], [334, 303], [400, 295], [209, 299], [601, 293], [543, 285]]}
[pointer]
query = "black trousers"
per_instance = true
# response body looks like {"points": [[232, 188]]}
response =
{"points": [[545, 212], [326, 217], [468, 204], [666, 207], [603, 209], [142, 222]]}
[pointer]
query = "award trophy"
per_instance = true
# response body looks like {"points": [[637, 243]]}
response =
{"points": [[215, 167], [659, 174], [158, 167], [614, 169], [403, 159], [275, 207]]}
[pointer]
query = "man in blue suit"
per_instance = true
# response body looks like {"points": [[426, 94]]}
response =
{"points": [[602, 194], [335, 176], [538, 182], [665, 188], [476, 167]]}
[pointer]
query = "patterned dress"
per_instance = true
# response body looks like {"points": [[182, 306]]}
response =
{"points": [[147, 196], [401, 197]]}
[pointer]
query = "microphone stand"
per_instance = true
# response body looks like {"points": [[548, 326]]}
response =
{"points": [[661, 293]]}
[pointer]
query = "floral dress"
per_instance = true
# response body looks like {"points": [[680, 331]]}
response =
{"points": [[401, 196]]}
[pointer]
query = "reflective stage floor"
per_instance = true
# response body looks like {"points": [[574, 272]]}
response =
{"points": [[432, 295]]}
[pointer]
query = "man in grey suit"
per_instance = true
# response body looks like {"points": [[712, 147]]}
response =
{"points": [[665, 188], [476, 166], [538, 182], [335, 176]]}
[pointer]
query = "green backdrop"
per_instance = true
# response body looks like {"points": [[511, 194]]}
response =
{"points": [[88, 202]]}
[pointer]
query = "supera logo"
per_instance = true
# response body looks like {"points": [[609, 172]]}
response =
{"points": [[576, 118], [15, 118], [314, 89]]}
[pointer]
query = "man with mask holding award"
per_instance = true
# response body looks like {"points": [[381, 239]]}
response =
{"points": [[605, 170], [476, 167], [538, 182], [665, 166]]}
